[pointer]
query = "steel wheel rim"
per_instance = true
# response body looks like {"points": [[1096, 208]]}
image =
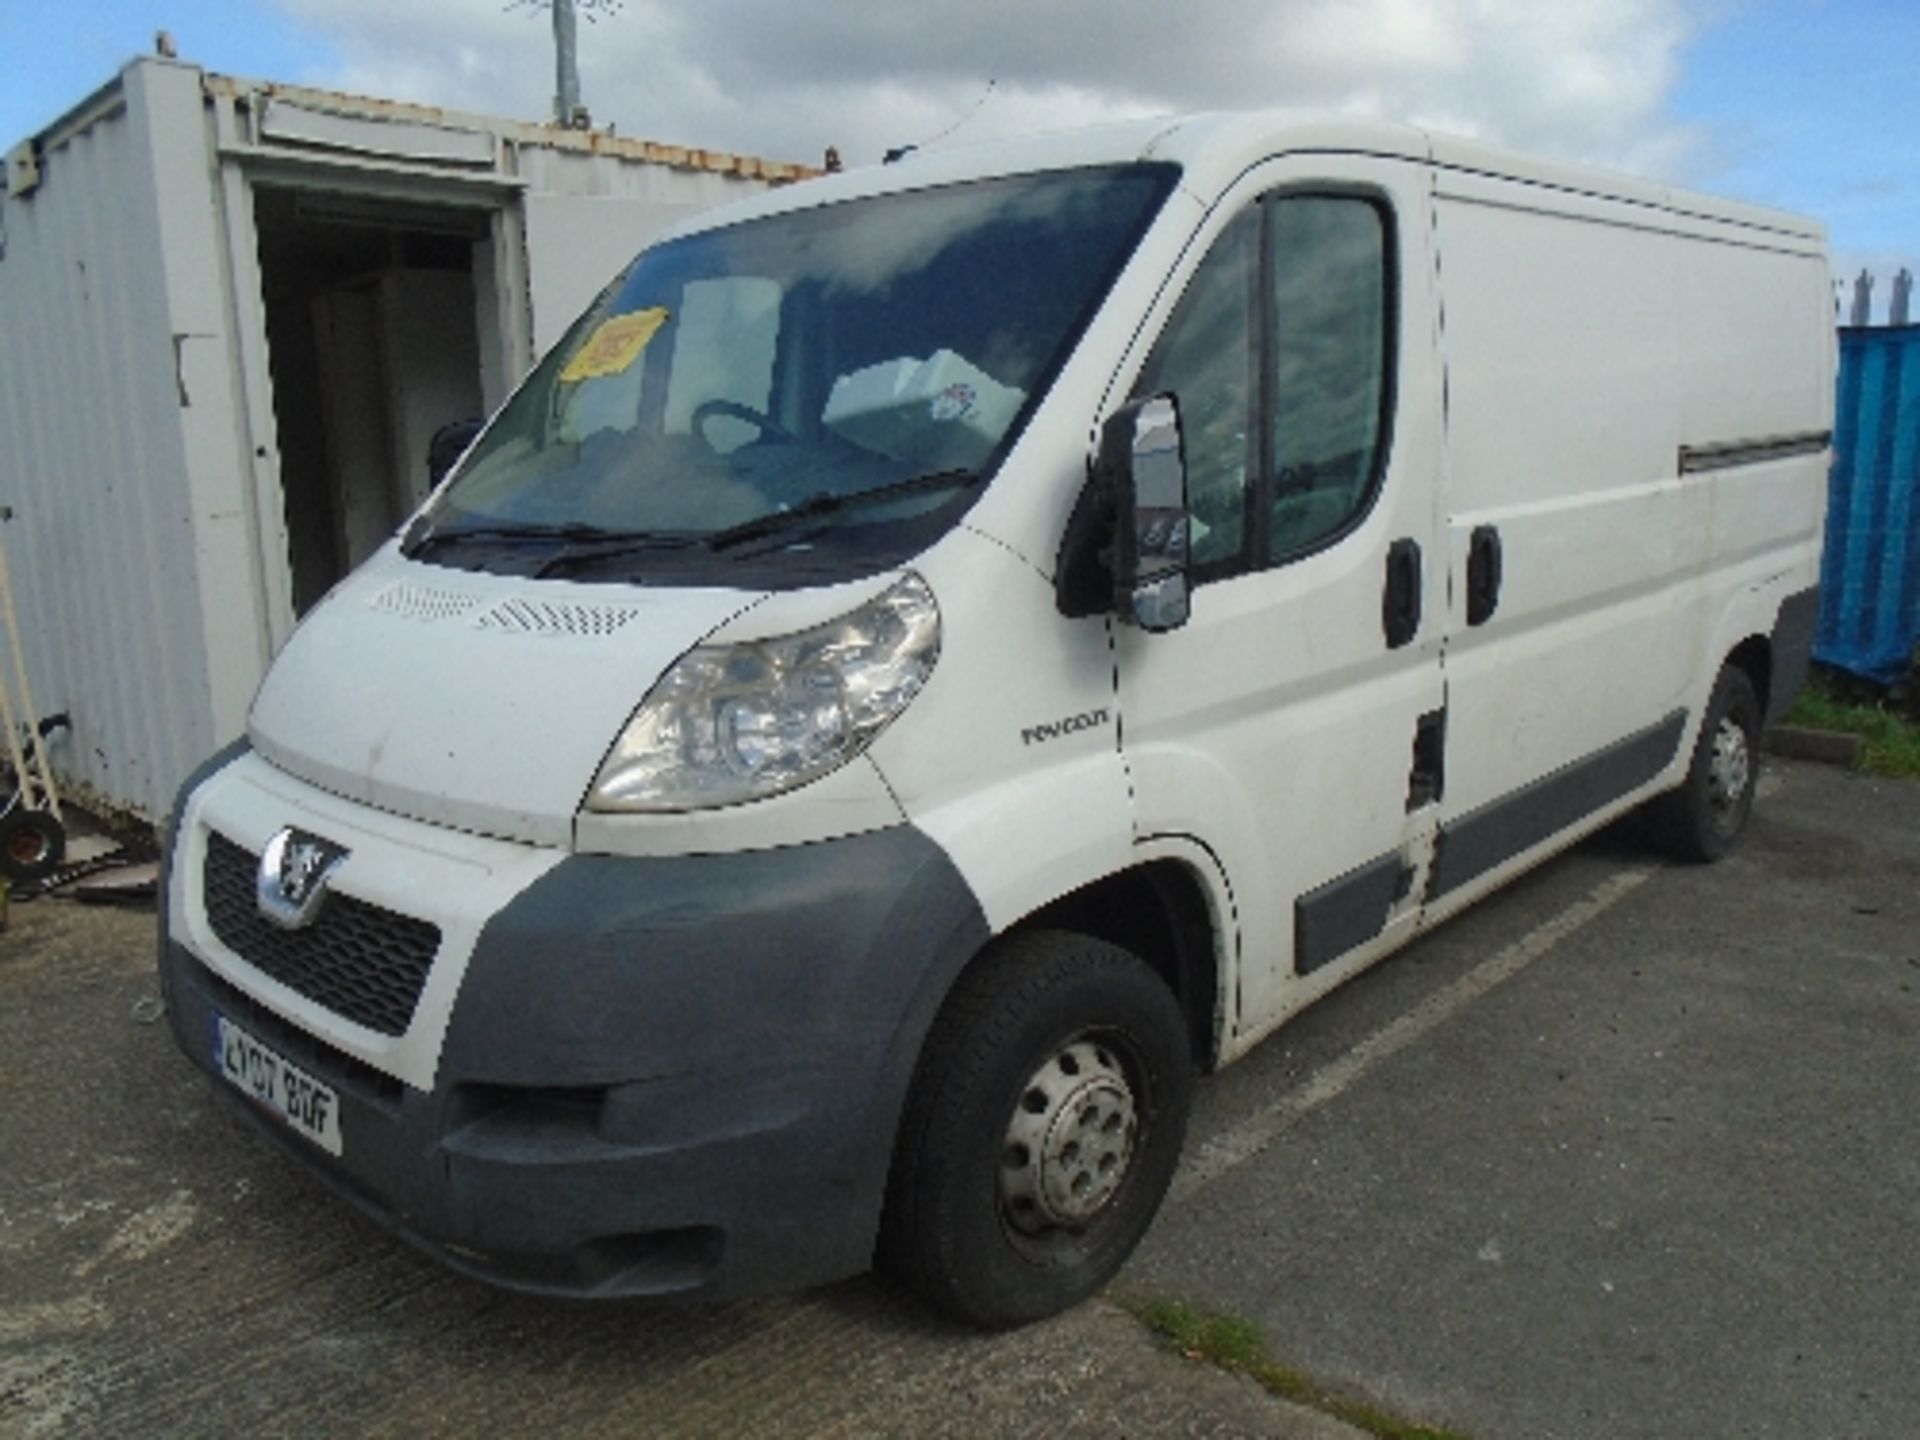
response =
{"points": [[1729, 769], [1071, 1140]]}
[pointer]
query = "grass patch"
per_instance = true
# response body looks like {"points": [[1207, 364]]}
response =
{"points": [[1236, 1345], [1892, 740]]}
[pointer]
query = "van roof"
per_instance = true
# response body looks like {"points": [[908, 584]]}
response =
{"points": [[1213, 149]]}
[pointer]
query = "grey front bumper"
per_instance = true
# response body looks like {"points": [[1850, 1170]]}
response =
{"points": [[660, 1076]]}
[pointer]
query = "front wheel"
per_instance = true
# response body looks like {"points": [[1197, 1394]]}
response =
{"points": [[1703, 819], [1041, 1132]]}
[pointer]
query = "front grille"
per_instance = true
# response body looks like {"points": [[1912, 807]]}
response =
{"points": [[360, 961]]}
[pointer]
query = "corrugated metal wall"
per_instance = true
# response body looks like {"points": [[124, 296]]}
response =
{"points": [[103, 544], [1870, 575]]}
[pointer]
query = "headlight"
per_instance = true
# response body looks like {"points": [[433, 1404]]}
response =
{"points": [[730, 723]]}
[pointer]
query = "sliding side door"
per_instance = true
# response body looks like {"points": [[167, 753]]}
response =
{"points": [[1575, 631]]}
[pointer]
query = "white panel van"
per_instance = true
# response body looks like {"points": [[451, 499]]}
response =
{"points": [[939, 655]]}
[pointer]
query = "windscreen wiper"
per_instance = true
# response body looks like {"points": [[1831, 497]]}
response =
{"points": [[423, 535], [576, 541], [829, 502], [585, 548]]}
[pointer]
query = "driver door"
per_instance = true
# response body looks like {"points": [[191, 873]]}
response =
{"points": [[1292, 725]]}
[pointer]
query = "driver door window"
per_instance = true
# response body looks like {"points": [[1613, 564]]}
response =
{"points": [[1327, 310], [1279, 356], [1208, 358]]}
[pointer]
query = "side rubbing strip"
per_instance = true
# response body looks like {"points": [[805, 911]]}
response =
{"points": [[1697, 458], [1343, 913], [1498, 831]]}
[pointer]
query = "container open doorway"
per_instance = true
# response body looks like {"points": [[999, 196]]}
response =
{"points": [[372, 318]]}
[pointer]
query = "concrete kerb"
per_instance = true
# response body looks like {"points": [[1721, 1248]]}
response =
{"points": [[1803, 742]]}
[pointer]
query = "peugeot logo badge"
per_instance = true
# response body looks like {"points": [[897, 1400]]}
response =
{"points": [[293, 877]]}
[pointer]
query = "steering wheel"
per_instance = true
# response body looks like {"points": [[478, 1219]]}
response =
{"points": [[708, 409]]}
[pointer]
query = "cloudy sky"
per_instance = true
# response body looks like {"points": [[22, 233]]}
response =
{"points": [[1807, 104]]}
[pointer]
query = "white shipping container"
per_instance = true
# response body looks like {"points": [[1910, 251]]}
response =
{"points": [[232, 316]]}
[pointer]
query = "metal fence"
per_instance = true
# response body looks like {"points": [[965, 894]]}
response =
{"points": [[1870, 574]]}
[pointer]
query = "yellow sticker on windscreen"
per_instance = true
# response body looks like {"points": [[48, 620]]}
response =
{"points": [[614, 346]]}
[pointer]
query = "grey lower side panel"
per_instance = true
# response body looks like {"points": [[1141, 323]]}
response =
{"points": [[1793, 635], [1496, 832], [662, 1076], [1343, 913]]}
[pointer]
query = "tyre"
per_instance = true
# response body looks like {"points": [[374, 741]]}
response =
{"points": [[32, 844], [1041, 1131], [1702, 820]]}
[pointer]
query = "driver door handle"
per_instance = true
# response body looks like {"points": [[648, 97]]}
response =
{"points": [[1400, 598]]}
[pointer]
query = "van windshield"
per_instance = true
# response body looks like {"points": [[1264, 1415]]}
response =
{"points": [[823, 391]]}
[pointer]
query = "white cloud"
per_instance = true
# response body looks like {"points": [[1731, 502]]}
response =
{"points": [[1585, 79]]}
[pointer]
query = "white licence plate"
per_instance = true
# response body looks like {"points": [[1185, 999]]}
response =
{"points": [[277, 1084]]}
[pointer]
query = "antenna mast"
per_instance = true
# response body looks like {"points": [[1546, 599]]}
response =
{"points": [[567, 109]]}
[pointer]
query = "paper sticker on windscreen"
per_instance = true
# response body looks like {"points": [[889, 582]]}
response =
{"points": [[613, 348]]}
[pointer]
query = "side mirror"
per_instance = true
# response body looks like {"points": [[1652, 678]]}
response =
{"points": [[1146, 475]]}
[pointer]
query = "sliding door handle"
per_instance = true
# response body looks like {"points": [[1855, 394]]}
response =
{"points": [[1483, 574]]}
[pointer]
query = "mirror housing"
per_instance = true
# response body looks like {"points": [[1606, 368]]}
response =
{"points": [[1144, 469]]}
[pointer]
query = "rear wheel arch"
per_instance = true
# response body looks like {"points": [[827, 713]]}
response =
{"points": [[1753, 657]]}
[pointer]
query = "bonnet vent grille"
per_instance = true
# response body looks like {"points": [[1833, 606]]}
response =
{"points": [[546, 617], [422, 602]]}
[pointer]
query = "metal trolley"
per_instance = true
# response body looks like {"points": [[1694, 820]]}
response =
{"points": [[33, 837]]}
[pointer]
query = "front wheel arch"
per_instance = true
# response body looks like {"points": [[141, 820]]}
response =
{"points": [[1162, 912]]}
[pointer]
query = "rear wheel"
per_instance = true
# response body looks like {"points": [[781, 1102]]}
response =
{"points": [[1703, 819], [1042, 1130]]}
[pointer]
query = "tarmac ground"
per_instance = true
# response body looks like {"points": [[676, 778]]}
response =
{"points": [[1627, 1150]]}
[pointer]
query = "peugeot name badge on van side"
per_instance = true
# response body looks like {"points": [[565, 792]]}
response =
{"points": [[294, 869], [1054, 729]]}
